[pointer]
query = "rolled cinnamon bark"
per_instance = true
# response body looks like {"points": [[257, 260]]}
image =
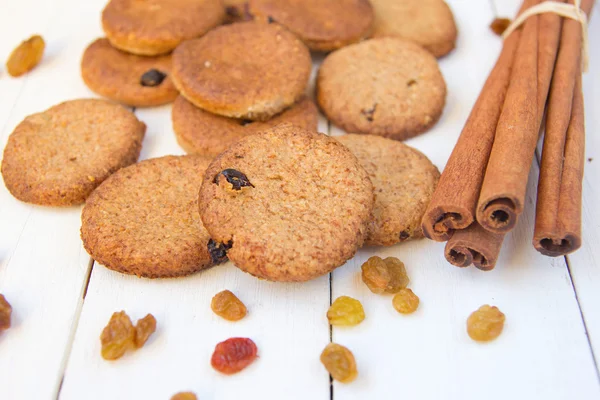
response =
{"points": [[454, 201], [503, 190], [474, 245]]}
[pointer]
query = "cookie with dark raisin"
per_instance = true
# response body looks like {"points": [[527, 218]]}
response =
{"points": [[154, 27], [289, 204], [404, 180], [144, 219], [387, 86], [248, 70], [200, 132], [132, 80], [323, 25]]}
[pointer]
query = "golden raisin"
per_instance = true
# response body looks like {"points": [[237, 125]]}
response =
{"points": [[345, 311], [225, 304], [499, 25], [405, 301], [143, 329], [233, 355], [5, 313], [26, 56], [384, 276], [184, 396], [485, 324], [118, 336], [339, 362]]}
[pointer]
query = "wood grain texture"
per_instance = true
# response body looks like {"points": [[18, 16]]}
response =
{"points": [[43, 267]]}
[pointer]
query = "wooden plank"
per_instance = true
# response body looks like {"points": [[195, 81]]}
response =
{"points": [[43, 268], [543, 352], [287, 322]]}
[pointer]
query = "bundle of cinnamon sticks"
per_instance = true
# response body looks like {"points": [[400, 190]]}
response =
{"points": [[481, 192]]}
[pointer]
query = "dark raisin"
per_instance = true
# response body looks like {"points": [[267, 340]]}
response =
{"points": [[245, 122], [369, 113], [235, 177], [218, 251], [232, 11], [403, 235], [270, 19], [152, 77]]}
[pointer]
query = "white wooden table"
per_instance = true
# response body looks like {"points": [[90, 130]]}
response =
{"points": [[61, 300]]}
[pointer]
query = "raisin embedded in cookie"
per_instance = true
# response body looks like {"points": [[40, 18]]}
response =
{"points": [[323, 25], [200, 132], [388, 87], [154, 27], [59, 156], [248, 70], [404, 180], [429, 23], [133, 80], [143, 220], [287, 204]]}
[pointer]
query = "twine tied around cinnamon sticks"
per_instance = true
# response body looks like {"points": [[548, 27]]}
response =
{"points": [[566, 10]]}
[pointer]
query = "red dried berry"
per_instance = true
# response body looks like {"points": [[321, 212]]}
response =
{"points": [[233, 355]]}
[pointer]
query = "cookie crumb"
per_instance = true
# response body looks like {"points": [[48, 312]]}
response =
{"points": [[499, 25], [207, 64], [5, 313], [184, 396]]}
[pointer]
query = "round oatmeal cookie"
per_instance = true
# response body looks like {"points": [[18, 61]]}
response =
{"points": [[429, 23], [200, 132], [388, 87], [143, 220], [129, 79], [154, 27], [323, 25], [250, 70], [404, 180], [59, 156], [286, 204]]}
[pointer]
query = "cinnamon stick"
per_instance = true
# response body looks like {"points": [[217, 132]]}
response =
{"points": [[474, 245], [454, 201]]}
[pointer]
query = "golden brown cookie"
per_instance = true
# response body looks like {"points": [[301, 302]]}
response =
{"points": [[286, 204], [404, 180], [133, 80], [388, 87], [248, 70], [143, 220], [153, 27], [59, 156], [323, 25], [429, 23], [200, 132]]}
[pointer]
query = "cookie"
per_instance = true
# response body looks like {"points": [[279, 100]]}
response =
{"points": [[286, 204], [323, 25], [143, 220], [126, 78], [200, 132], [248, 70], [59, 156], [404, 180], [388, 87], [154, 27], [429, 23]]}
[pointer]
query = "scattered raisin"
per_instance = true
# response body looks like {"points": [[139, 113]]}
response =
{"points": [[184, 396], [345, 311], [499, 25], [405, 301], [233, 355], [5, 313], [339, 362], [26, 56], [384, 276], [237, 179], [152, 78], [369, 113], [143, 329], [486, 323], [118, 336], [225, 304], [218, 251]]}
